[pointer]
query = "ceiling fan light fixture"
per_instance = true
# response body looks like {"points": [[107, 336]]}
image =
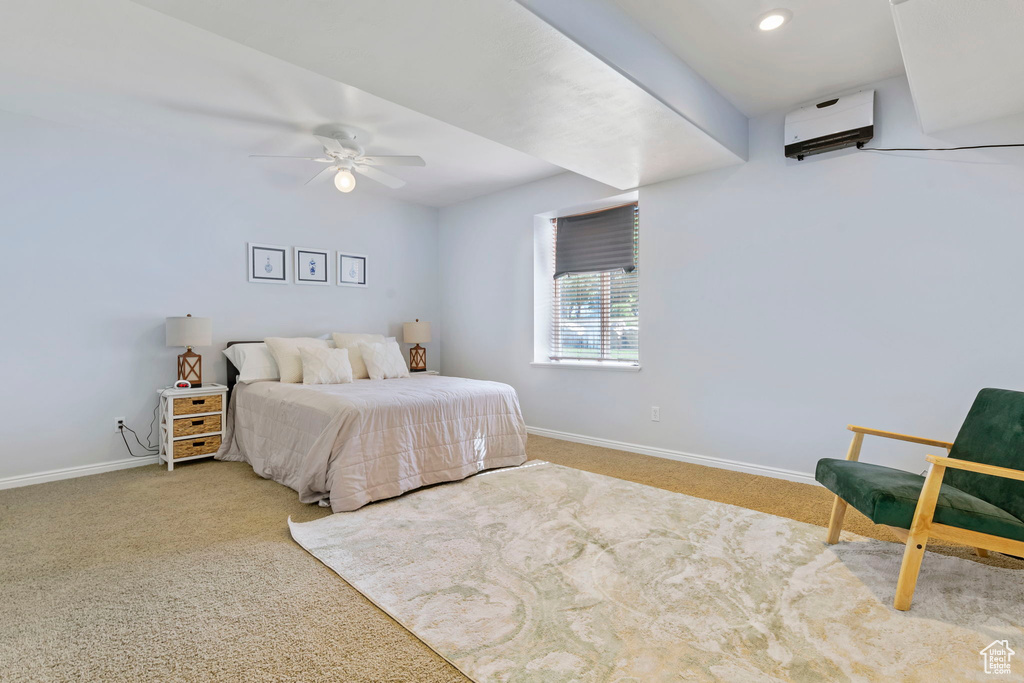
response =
{"points": [[344, 158], [345, 181], [774, 19]]}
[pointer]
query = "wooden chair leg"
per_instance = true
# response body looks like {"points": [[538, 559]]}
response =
{"points": [[909, 570], [835, 522], [917, 538], [981, 552]]}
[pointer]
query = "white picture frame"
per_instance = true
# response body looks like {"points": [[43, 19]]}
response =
{"points": [[352, 269], [269, 263], [311, 266]]}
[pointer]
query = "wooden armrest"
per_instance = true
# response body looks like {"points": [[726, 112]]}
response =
{"points": [[978, 467], [900, 437]]}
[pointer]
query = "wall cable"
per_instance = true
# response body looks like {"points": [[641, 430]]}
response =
{"points": [[860, 146]]}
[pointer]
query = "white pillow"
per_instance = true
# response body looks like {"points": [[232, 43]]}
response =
{"points": [[286, 354], [325, 366], [255, 363], [232, 354], [384, 360], [351, 341]]}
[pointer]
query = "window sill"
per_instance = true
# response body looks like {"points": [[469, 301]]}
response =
{"points": [[587, 365]]}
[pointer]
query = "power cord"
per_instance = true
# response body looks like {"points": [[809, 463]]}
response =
{"points": [[860, 146], [148, 447], [148, 451], [152, 426]]}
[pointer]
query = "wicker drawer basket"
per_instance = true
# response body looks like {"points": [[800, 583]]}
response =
{"points": [[187, 426], [189, 447], [197, 404]]}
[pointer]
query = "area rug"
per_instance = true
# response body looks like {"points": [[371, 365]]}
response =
{"points": [[548, 573]]}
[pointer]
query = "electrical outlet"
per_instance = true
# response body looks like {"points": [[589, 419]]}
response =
{"points": [[655, 414], [118, 423]]}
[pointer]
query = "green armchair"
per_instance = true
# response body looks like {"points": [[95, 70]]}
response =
{"points": [[979, 502]]}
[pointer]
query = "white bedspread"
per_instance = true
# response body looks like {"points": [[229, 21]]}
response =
{"points": [[373, 439]]}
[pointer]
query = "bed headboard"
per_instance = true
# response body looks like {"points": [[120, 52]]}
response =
{"points": [[232, 370]]}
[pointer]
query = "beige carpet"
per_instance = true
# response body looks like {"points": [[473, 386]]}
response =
{"points": [[550, 573], [191, 575]]}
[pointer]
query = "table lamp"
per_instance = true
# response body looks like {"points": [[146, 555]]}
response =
{"points": [[189, 332], [414, 333]]}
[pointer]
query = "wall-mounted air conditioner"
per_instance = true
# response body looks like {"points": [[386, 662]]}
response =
{"points": [[831, 124]]}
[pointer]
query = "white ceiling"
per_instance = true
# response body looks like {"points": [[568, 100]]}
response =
{"points": [[603, 29], [829, 46], [964, 59], [114, 66], [492, 93], [488, 66]]}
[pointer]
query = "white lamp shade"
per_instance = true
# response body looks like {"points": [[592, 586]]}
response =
{"points": [[416, 333], [189, 331]]}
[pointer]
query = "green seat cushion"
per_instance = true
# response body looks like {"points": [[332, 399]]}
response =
{"points": [[889, 496]]}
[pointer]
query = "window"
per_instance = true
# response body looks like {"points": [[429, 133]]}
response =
{"points": [[595, 314]]}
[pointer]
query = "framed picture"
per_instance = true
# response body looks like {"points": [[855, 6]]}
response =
{"points": [[268, 263], [351, 270], [311, 266]]}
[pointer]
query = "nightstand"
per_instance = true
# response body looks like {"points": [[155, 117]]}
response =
{"points": [[191, 422]]}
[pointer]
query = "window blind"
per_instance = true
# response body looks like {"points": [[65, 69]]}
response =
{"points": [[595, 242], [595, 315]]}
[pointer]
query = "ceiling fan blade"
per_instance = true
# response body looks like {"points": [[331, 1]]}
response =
{"points": [[330, 144], [322, 160], [380, 176], [391, 160], [321, 172]]}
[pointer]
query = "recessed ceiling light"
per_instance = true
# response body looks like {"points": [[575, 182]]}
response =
{"points": [[774, 19]]}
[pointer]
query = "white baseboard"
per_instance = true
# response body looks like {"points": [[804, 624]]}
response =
{"points": [[72, 472], [720, 463]]}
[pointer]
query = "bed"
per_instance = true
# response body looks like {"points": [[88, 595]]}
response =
{"points": [[347, 445]]}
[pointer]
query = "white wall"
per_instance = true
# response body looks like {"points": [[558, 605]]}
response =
{"points": [[780, 300], [112, 234]]}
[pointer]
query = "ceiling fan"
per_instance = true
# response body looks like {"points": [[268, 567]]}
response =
{"points": [[346, 157]]}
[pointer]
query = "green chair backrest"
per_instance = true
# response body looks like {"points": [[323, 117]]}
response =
{"points": [[992, 433]]}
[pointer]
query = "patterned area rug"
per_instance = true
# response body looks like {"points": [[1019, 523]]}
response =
{"points": [[548, 573]]}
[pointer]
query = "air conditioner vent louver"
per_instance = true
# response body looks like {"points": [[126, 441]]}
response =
{"points": [[829, 143]]}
